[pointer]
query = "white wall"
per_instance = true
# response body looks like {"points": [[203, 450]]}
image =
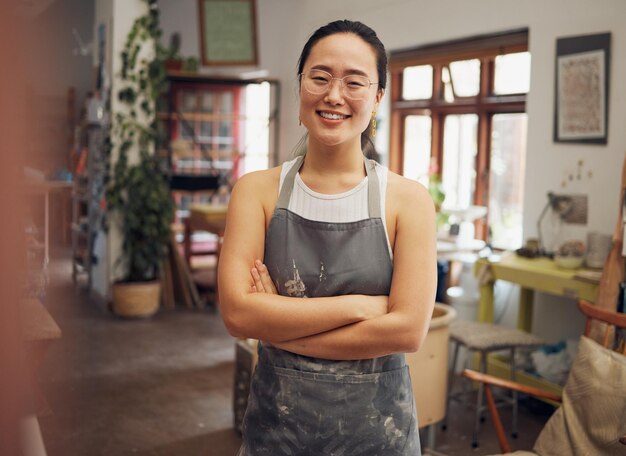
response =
{"points": [[283, 26], [52, 68]]}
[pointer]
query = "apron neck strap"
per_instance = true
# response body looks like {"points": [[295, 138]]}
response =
{"points": [[287, 188], [373, 187]]}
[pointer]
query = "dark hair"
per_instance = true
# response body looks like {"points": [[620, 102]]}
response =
{"points": [[357, 28], [369, 36]]}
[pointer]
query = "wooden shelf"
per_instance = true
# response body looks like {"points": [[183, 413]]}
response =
{"points": [[85, 203], [200, 116]]}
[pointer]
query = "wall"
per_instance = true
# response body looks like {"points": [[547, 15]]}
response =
{"points": [[57, 66], [53, 68]]}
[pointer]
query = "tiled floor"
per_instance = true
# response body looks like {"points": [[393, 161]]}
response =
{"points": [[163, 386]]}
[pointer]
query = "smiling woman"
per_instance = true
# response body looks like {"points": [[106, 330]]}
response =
{"points": [[347, 278]]}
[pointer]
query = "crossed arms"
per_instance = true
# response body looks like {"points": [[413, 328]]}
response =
{"points": [[341, 327]]}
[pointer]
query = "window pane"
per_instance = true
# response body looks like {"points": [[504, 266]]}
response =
{"points": [[206, 102], [448, 93], [188, 101], [512, 73], [506, 180], [465, 77], [225, 128], [417, 82], [186, 129], [459, 159], [417, 131], [206, 130], [257, 129], [227, 103]]}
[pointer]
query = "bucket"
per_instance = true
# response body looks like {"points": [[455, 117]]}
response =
{"points": [[429, 368]]}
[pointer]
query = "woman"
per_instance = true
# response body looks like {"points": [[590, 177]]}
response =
{"points": [[348, 277]]}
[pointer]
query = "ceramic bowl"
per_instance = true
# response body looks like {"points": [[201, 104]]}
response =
{"points": [[568, 262]]}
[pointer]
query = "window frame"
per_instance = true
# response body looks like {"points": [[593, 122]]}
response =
{"points": [[485, 104]]}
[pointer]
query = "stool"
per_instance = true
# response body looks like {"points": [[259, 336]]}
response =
{"points": [[485, 338]]}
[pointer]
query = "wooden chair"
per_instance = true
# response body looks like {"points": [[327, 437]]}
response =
{"points": [[595, 386]]}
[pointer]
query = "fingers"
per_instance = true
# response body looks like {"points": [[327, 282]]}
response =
{"points": [[257, 282], [262, 282], [266, 280]]}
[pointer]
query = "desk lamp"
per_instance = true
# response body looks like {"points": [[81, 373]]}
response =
{"points": [[569, 208]]}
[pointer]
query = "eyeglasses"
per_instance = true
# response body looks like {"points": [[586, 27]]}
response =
{"points": [[354, 86]]}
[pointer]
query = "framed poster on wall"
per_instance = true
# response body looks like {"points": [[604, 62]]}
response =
{"points": [[228, 32], [581, 113]]}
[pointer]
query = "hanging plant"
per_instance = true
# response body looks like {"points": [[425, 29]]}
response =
{"points": [[137, 190]]}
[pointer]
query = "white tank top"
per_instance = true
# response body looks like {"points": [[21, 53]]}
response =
{"points": [[349, 206]]}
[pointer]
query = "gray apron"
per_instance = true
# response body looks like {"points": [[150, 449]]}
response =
{"points": [[304, 406]]}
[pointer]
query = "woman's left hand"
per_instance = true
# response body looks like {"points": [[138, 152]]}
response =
{"points": [[261, 277]]}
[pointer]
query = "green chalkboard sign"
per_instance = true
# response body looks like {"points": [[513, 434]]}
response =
{"points": [[227, 32]]}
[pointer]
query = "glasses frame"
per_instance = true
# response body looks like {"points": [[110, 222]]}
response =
{"points": [[342, 86]]}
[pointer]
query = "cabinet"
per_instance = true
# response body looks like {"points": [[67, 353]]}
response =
{"points": [[86, 197], [216, 129]]}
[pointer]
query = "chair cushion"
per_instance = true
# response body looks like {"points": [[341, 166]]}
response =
{"points": [[592, 416], [486, 336]]}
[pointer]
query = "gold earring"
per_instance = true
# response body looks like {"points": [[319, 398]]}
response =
{"points": [[374, 124]]}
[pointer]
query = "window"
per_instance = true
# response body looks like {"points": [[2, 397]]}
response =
{"points": [[223, 128], [461, 105], [214, 130]]}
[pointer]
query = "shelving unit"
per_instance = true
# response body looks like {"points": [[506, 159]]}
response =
{"points": [[217, 128], [86, 195]]}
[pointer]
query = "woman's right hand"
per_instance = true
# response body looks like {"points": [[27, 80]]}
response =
{"points": [[262, 282]]}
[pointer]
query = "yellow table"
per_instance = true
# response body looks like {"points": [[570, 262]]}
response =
{"points": [[532, 274]]}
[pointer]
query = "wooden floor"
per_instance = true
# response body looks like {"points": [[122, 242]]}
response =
{"points": [[163, 386]]}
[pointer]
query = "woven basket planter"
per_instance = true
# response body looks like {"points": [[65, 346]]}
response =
{"points": [[136, 299]]}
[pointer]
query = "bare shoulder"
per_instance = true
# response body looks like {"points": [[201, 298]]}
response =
{"points": [[258, 188], [406, 194], [258, 181]]}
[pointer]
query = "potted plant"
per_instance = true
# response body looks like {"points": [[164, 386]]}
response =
{"points": [[174, 61], [137, 189], [437, 193]]}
